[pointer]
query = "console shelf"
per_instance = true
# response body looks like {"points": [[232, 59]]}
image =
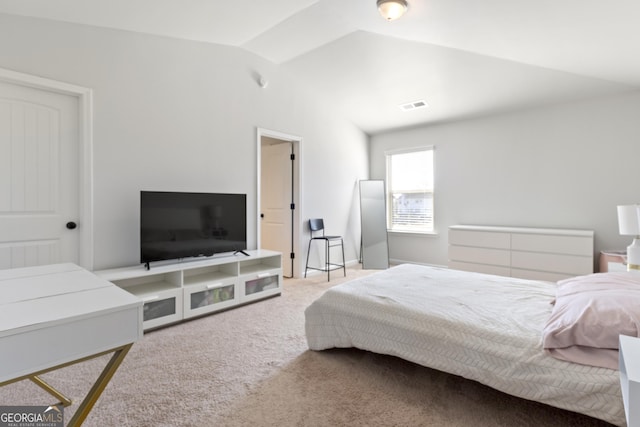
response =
{"points": [[176, 291]]}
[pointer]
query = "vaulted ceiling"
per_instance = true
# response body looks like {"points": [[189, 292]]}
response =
{"points": [[464, 58]]}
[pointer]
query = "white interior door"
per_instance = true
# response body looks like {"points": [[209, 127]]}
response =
{"points": [[39, 177], [275, 199]]}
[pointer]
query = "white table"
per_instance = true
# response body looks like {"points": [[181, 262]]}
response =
{"points": [[630, 378], [58, 315]]}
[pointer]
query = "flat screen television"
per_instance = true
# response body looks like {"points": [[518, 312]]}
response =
{"points": [[176, 225]]}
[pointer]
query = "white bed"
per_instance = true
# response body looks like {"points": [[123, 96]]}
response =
{"points": [[481, 327]]}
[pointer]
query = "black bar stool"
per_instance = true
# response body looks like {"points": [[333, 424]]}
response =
{"points": [[316, 225]]}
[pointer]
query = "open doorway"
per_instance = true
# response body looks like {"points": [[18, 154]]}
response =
{"points": [[278, 196]]}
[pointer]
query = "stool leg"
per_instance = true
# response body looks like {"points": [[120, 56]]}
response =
{"points": [[306, 266], [326, 260], [344, 267]]}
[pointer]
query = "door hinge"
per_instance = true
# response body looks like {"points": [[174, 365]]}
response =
{"points": [[292, 156], [292, 206], [292, 255]]}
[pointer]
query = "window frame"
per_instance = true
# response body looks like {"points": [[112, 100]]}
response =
{"points": [[389, 194]]}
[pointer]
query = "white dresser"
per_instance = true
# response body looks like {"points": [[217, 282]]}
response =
{"points": [[529, 253]]}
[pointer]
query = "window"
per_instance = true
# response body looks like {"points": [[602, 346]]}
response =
{"points": [[410, 190]]}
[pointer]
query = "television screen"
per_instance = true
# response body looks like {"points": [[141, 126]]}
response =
{"points": [[176, 225]]}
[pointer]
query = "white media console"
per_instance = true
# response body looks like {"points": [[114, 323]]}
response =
{"points": [[181, 290]]}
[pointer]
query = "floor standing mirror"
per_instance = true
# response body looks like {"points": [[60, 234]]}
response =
{"points": [[374, 248]]}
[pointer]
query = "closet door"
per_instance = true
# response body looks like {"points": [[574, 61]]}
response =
{"points": [[39, 177], [374, 248]]}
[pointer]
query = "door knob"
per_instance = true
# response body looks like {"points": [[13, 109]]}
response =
{"points": [[71, 225]]}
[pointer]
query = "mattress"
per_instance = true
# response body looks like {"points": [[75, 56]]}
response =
{"points": [[482, 327]]}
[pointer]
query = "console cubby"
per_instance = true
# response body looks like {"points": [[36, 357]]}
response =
{"points": [[253, 266], [172, 292], [210, 274], [161, 294], [261, 277]]}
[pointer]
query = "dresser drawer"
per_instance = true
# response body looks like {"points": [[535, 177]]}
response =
{"points": [[261, 285], [481, 239], [570, 265], [480, 255], [568, 245], [209, 297], [161, 308]]}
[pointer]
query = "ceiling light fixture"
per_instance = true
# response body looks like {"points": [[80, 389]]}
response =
{"points": [[392, 9]]}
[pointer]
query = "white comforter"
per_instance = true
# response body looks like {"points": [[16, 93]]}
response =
{"points": [[482, 327]]}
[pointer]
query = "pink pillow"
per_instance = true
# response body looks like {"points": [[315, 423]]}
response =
{"points": [[594, 310]]}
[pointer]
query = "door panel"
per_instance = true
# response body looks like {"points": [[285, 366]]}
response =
{"points": [[275, 197], [38, 176]]}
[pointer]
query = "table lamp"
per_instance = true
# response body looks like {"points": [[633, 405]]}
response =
{"points": [[629, 225]]}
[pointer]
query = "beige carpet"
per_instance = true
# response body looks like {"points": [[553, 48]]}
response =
{"points": [[250, 366]]}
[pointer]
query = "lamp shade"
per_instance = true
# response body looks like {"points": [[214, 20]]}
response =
{"points": [[391, 9], [628, 220]]}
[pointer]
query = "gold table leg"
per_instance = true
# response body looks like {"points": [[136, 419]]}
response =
{"points": [[92, 396], [97, 389], [52, 391]]}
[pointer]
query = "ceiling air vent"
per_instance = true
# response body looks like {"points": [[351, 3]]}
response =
{"points": [[413, 105]]}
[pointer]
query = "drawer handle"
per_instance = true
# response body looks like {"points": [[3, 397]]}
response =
{"points": [[151, 298], [213, 285], [263, 275]]}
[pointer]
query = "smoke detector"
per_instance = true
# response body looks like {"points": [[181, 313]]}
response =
{"points": [[413, 105]]}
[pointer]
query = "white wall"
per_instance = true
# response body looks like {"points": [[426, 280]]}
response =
{"points": [[179, 115], [564, 166]]}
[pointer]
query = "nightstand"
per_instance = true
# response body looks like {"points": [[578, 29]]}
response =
{"points": [[612, 261], [630, 378]]}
